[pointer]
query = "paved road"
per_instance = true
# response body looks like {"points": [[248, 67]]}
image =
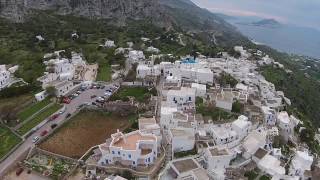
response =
{"points": [[84, 97]]}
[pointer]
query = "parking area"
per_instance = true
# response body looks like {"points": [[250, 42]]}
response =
{"points": [[96, 94]]}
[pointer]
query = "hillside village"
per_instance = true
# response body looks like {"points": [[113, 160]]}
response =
{"points": [[213, 118]]}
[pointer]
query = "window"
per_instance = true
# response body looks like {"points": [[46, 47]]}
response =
{"points": [[118, 152], [130, 156], [112, 152], [133, 162]]}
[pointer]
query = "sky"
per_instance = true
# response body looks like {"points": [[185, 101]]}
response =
{"points": [[297, 12]]}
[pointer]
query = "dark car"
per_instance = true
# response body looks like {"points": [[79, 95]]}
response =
{"points": [[68, 115], [93, 96], [54, 126]]}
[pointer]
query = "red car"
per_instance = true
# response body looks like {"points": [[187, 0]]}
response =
{"points": [[43, 133], [66, 100], [19, 171], [54, 117]]}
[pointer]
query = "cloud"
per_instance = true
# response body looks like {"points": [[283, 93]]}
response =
{"points": [[238, 12], [298, 12]]}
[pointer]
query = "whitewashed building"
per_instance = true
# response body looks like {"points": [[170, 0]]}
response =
{"points": [[181, 139], [144, 70], [286, 125], [223, 134], [301, 163], [186, 168], [61, 87], [182, 96], [218, 159], [41, 95], [269, 115], [255, 140], [224, 100], [4, 76], [135, 56], [242, 126], [132, 149], [271, 165], [201, 89]]}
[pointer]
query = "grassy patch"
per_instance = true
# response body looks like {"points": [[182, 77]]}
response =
{"points": [[251, 175], [185, 153], [141, 94], [264, 177], [104, 72], [86, 129], [29, 111], [216, 114], [8, 140], [38, 118]]}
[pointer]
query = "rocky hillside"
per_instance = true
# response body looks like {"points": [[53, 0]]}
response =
{"points": [[120, 10]]}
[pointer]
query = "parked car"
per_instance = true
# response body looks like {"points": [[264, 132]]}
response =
{"points": [[54, 126], [68, 115], [43, 133], [35, 139], [93, 96], [66, 100], [54, 117], [19, 171]]}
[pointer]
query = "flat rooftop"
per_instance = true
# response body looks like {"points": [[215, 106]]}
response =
{"points": [[218, 152], [260, 153], [185, 165]]}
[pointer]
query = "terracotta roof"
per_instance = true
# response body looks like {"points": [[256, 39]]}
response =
{"points": [[129, 141]]}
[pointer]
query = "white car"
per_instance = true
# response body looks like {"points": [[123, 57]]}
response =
{"points": [[35, 139]]}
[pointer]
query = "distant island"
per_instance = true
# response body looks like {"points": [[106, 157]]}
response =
{"points": [[270, 23]]}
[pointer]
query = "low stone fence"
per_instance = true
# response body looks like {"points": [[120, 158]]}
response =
{"points": [[41, 124], [135, 84], [47, 153]]}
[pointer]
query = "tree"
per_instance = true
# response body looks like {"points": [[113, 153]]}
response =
{"points": [[51, 91], [236, 107]]}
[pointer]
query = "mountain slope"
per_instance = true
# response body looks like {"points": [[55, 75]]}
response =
{"points": [[120, 10], [181, 14]]}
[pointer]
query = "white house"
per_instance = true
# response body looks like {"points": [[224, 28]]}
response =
{"points": [[186, 168], [181, 139], [109, 44], [255, 140], [132, 149], [144, 70], [223, 134], [201, 89], [153, 49], [269, 115], [61, 87], [191, 74], [301, 163], [224, 100], [150, 126], [285, 124], [271, 165], [242, 126], [41, 95], [183, 96], [218, 159], [166, 114], [135, 56], [4, 76]]}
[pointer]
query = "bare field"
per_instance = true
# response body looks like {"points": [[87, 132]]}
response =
{"points": [[86, 129]]}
